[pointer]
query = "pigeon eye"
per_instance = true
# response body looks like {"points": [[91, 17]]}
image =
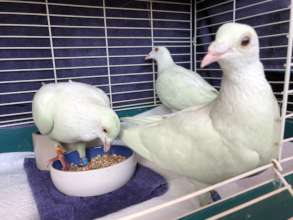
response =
{"points": [[156, 49], [105, 130], [245, 41]]}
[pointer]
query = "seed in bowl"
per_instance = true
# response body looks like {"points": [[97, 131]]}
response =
{"points": [[99, 162]]}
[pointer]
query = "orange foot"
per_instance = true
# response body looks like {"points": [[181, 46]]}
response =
{"points": [[60, 156]]}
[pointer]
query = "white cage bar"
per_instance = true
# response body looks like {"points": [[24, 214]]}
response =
{"points": [[170, 41], [191, 42]]}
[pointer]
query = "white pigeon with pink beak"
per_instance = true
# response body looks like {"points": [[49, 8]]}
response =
{"points": [[177, 87], [237, 132]]}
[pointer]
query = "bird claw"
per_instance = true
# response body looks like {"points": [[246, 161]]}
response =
{"points": [[59, 156]]}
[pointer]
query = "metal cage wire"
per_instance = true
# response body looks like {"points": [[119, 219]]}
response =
{"points": [[61, 46], [194, 42]]}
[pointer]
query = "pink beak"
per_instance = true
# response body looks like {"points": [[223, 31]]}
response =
{"points": [[215, 52], [148, 57], [107, 145], [211, 57]]}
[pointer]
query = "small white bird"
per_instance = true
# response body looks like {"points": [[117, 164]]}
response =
{"points": [[238, 131], [73, 114], [179, 88]]}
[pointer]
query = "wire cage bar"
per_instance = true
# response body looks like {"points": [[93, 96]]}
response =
{"points": [[90, 42], [47, 42], [287, 81]]}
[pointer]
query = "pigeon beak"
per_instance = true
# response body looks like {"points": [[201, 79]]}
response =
{"points": [[215, 52], [148, 57], [106, 144], [210, 58]]}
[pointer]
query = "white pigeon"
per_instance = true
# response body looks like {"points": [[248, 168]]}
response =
{"points": [[75, 113], [237, 132], [177, 87]]}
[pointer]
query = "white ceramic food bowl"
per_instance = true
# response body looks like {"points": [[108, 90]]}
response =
{"points": [[95, 182]]}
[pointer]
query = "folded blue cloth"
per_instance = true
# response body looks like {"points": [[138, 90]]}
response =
{"points": [[53, 205]]}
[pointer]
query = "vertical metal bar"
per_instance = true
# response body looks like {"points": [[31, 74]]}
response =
{"points": [[287, 79], [152, 38], [191, 40], [51, 41], [107, 53], [194, 35], [234, 11]]}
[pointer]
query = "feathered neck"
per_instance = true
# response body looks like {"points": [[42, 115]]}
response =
{"points": [[242, 72], [164, 62], [241, 83]]}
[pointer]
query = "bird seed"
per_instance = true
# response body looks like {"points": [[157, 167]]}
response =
{"points": [[99, 162]]}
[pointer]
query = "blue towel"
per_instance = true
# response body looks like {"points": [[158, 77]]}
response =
{"points": [[53, 205]]}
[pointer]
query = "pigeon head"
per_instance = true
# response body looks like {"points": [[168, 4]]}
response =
{"points": [[234, 44], [109, 126], [158, 53]]}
